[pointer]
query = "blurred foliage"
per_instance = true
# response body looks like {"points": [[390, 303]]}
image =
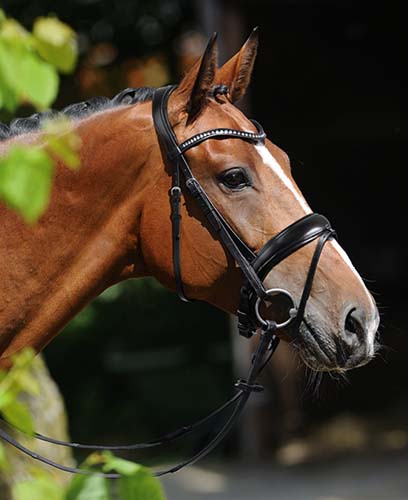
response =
{"points": [[12, 383], [41, 487], [25, 180], [28, 74], [136, 483], [56, 43], [29, 61], [121, 44]]}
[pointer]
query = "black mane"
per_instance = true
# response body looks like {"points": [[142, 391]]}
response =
{"points": [[76, 111]]}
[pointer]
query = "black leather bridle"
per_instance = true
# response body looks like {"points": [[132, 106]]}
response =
{"points": [[254, 265]]}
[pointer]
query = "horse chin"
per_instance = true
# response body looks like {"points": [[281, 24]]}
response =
{"points": [[319, 351]]}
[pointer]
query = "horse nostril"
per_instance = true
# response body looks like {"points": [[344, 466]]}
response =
{"points": [[353, 329], [351, 323]]}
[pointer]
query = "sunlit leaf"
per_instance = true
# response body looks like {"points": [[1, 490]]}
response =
{"points": [[25, 181], [140, 486], [56, 43], [6, 398], [88, 488], [124, 467], [4, 465], [8, 98], [30, 78], [27, 383], [62, 141], [39, 81], [9, 54], [17, 414], [136, 483], [43, 488], [12, 30], [23, 358]]}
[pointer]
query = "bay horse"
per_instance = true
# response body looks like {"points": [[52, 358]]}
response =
{"points": [[110, 221]]}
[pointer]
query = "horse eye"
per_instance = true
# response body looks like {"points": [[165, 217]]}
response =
{"points": [[235, 178]]}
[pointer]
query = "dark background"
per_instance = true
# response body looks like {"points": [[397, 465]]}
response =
{"points": [[329, 88]]}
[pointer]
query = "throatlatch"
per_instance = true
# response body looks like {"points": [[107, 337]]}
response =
{"points": [[254, 266]]}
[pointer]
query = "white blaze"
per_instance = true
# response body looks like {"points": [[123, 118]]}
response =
{"points": [[270, 161]]}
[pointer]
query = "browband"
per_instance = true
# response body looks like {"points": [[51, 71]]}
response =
{"points": [[224, 133]]}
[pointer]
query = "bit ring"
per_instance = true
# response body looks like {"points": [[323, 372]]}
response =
{"points": [[275, 291]]}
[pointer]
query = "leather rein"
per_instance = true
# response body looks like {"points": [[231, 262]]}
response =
{"points": [[254, 266]]}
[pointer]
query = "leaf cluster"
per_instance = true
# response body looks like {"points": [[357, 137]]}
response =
{"points": [[136, 482], [29, 66], [12, 383], [26, 172], [30, 61]]}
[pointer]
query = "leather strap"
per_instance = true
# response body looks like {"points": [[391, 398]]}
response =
{"points": [[289, 240], [263, 353], [234, 244]]}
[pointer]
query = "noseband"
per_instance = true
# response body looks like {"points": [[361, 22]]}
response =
{"points": [[254, 265]]}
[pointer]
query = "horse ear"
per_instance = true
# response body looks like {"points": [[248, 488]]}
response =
{"points": [[196, 84], [236, 73]]}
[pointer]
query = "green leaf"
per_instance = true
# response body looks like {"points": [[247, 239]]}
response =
{"points": [[12, 30], [56, 43], [38, 81], [62, 141], [31, 78], [17, 414], [8, 96], [140, 486], [39, 489], [25, 181], [24, 381], [23, 358], [88, 488], [6, 398], [10, 53], [61, 147], [4, 465], [124, 467]]}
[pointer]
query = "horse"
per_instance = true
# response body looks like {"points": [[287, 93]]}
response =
{"points": [[177, 183], [110, 220]]}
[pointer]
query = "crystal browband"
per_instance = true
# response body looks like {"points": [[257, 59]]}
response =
{"points": [[222, 133]]}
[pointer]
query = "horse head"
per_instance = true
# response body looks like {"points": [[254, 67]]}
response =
{"points": [[252, 186]]}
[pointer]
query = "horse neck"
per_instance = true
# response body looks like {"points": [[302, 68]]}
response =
{"points": [[88, 238]]}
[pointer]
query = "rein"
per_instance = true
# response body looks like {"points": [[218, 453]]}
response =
{"points": [[254, 266]]}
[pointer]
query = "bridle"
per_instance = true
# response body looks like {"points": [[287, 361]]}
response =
{"points": [[254, 266]]}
